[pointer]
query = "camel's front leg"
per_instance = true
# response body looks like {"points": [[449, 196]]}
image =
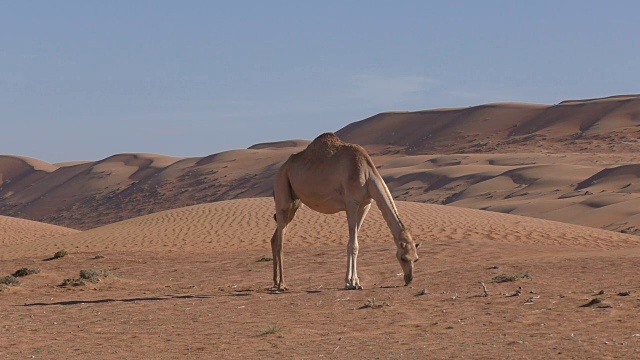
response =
{"points": [[355, 216], [351, 279], [274, 258]]}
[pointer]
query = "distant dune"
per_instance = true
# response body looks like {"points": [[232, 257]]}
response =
{"points": [[574, 162], [603, 125], [281, 144]]}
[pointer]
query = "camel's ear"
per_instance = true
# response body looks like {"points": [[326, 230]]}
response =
{"points": [[417, 245]]}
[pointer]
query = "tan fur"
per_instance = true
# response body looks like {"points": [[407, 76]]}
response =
{"points": [[331, 176]]}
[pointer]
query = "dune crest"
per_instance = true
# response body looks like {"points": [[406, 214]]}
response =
{"points": [[21, 232]]}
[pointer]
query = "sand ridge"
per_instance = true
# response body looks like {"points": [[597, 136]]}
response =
{"points": [[13, 166], [245, 224], [22, 233], [549, 186], [609, 124]]}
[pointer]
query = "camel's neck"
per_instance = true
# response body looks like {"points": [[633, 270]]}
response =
{"points": [[380, 193]]}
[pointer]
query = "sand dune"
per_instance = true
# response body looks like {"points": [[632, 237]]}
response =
{"points": [[14, 165], [544, 161], [281, 144], [189, 282], [246, 224], [599, 125], [618, 177], [23, 233], [61, 191], [549, 186], [18, 173]]}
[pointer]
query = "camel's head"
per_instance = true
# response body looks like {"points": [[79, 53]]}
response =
{"points": [[407, 255]]}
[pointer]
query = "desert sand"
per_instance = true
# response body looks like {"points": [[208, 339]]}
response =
{"points": [[19, 231], [543, 195], [189, 283]]}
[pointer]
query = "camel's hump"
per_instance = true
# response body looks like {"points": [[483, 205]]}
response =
{"points": [[328, 137], [326, 142], [328, 145]]}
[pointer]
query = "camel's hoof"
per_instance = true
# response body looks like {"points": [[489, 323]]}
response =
{"points": [[353, 287], [278, 288]]}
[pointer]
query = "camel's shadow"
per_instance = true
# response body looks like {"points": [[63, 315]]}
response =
{"points": [[128, 300]]}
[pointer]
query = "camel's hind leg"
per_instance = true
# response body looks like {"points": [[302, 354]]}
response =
{"points": [[286, 206], [283, 218]]}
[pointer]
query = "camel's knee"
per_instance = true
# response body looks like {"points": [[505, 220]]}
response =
{"points": [[353, 248], [283, 215]]}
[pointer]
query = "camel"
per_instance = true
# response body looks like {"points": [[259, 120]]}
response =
{"points": [[330, 176]]}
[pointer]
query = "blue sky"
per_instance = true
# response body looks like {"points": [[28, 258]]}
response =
{"points": [[82, 80]]}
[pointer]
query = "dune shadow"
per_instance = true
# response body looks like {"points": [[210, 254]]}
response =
{"points": [[128, 300]]}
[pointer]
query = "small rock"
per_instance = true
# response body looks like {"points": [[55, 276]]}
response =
{"points": [[423, 292], [624, 293]]}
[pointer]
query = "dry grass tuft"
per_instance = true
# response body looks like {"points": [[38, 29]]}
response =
{"points": [[271, 329], [9, 280], [58, 255], [92, 276], [509, 277], [372, 304], [26, 272]]}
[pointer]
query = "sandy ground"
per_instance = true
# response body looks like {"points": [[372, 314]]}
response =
{"points": [[189, 283]]}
